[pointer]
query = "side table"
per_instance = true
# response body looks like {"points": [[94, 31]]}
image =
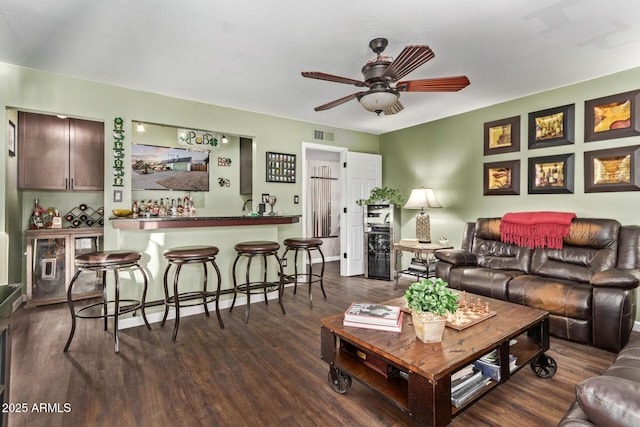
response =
{"points": [[426, 249]]}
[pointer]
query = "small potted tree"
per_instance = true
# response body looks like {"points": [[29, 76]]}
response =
{"points": [[430, 300]]}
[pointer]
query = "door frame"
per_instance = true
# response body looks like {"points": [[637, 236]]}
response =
{"points": [[311, 146]]}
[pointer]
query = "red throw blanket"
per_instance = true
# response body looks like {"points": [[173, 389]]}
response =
{"points": [[536, 229]]}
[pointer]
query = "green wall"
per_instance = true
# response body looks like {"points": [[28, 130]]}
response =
{"points": [[447, 155], [27, 89]]}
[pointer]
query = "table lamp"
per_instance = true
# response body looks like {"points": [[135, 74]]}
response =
{"points": [[421, 198]]}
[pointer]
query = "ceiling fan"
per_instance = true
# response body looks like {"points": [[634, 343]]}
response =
{"points": [[381, 77]]}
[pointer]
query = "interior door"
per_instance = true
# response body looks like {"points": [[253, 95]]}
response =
{"points": [[363, 172]]}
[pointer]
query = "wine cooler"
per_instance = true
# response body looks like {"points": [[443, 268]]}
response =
{"points": [[382, 230]]}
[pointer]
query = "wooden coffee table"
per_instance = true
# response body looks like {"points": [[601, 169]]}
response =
{"points": [[415, 376]]}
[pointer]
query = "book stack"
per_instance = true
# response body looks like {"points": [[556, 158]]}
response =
{"points": [[490, 367], [374, 316], [465, 387]]}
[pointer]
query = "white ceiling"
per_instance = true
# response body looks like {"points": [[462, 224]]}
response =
{"points": [[248, 54]]}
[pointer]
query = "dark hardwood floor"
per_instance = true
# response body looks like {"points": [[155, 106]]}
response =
{"points": [[266, 373]]}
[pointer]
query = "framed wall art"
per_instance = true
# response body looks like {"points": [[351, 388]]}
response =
{"points": [[551, 174], [502, 178], [281, 167], [613, 169], [551, 127], [615, 116], [502, 136], [12, 139]]}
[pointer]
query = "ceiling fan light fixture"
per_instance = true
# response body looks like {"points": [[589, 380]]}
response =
{"points": [[378, 100]]}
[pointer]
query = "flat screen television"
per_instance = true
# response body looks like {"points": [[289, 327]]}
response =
{"points": [[168, 168]]}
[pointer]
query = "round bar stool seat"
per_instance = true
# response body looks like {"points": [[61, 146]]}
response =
{"points": [[307, 245], [190, 255], [251, 249], [105, 261]]}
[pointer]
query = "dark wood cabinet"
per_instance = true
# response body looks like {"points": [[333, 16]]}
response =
{"points": [[60, 154], [246, 166]]}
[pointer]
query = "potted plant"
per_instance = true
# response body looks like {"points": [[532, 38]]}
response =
{"points": [[430, 300], [383, 194]]}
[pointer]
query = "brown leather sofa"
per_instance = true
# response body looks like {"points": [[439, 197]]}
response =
{"points": [[610, 399], [588, 287]]}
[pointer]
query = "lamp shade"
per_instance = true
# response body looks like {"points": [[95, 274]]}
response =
{"points": [[378, 100], [421, 198]]}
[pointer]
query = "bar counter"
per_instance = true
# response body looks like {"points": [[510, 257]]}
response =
{"points": [[156, 223]]}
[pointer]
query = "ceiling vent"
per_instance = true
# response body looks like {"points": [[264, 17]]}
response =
{"points": [[323, 136]]}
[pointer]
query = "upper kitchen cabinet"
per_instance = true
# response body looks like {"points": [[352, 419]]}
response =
{"points": [[60, 154]]}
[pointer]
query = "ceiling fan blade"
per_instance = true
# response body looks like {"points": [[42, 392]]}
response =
{"points": [[337, 102], [443, 84], [332, 78], [409, 59], [395, 108]]}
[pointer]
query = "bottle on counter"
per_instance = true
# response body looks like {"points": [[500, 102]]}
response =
{"points": [[192, 207], [162, 210], [174, 208], [134, 209], [156, 208], [35, 223], [56, 221], [48, 217]]}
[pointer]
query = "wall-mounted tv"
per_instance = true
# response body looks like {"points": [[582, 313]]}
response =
{"points": [[168, 168]]}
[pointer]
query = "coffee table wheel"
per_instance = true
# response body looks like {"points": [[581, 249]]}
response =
{"points": [[339, 381], [544, 366]]}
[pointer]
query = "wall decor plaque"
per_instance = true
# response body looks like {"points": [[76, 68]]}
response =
{"points": [[502, 136], [502, 178], [613, 169], [615, 116], [552, 127]]}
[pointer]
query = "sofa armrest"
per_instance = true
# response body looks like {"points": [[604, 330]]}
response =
{"points": [[617, 278], [610, 401], [456, 257]]}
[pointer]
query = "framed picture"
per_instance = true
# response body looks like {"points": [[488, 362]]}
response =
{"points": [[614, 169], [502, 178], [615, 116], [551, 127], [12, 139], [502, 136], [551, 174], [281, 167]]}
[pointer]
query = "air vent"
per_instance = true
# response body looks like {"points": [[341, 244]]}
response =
{"points": [[322, 135]]}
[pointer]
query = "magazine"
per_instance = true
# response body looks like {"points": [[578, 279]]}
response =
{"points": [[377, 314], [390, 328]]}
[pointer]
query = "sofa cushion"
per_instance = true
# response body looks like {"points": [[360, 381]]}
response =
{"points": [[557, 296], [492, 253], [591, 247], [482, 281], [610, 401]]}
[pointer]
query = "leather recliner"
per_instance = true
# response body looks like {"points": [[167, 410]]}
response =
{"points": [[589, 287]]}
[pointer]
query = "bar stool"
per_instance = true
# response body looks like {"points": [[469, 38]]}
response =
{"points": [[103, 262], [250, 250], [190, 255], [307, 245]]}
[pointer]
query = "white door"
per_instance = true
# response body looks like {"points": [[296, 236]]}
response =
{"points": [[363, 172]]}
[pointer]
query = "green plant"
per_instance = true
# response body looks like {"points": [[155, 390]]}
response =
{"points": [[431, 295], [381, 194]]}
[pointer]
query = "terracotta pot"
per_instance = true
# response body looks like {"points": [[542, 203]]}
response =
{"points": [[429, 327]]}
